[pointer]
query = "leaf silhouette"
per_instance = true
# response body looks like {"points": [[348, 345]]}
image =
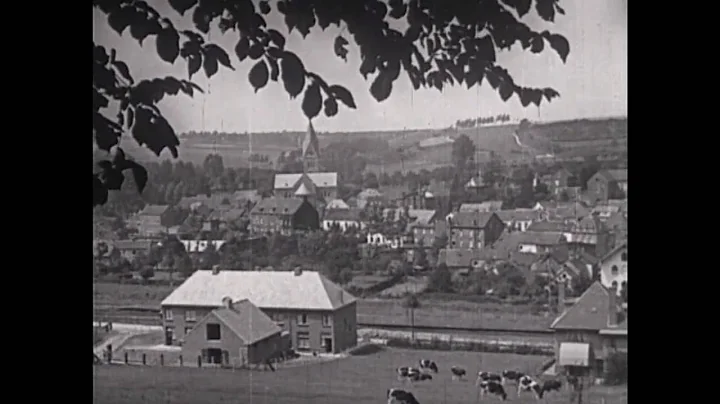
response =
{"points": [[124, 70], [256, 50], [168, 45], [292, 74], [312, 102], [194, 63], [219, 54], [210, 64], [342, 94], [560, 44], [120, 19], [181, 6], [100, 193], [264, 7], [277, 38], [242, 48], [331, 107], [381, 87], [339, 47], [274, 69], [505, 90], [258, 75], [140, 175]]}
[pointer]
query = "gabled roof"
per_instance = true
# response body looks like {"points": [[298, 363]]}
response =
{"points": [[266, 289], [153, 210], [369, 193], [337, 204], [487, 206], [320, 180], [277, 206], [303, 190], [616, 175], [590, 312], [246, 321], [618, 247], [422, 217], [476, 220], [549, 226], [540, 238]]}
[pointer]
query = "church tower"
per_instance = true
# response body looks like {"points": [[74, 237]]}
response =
{"points": [[311, 151]]}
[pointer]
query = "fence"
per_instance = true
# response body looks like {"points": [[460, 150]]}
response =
{"points": [[488, 346]]}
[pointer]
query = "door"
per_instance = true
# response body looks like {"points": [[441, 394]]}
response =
{"points": [[328, 345], [169, 334]]}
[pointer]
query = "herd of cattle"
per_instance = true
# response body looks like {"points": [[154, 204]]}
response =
{"points": [[487, 382]]}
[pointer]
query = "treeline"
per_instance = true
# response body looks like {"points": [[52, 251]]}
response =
{"points": [[474, 122]]}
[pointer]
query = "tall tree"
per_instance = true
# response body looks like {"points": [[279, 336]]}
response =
{"points": [[444, 44]]}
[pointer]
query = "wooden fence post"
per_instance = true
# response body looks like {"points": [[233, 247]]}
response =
{"points": [[199, 361], [144, 359], [181, 360], [162, 360], [126, 357]]}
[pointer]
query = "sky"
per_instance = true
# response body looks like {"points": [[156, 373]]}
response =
{"points": [[592, 83]]}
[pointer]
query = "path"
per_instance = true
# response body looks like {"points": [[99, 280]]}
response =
{"points": [[123, 332]]}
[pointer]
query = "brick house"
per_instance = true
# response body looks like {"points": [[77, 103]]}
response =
{"points": [[283, 215], [149, 220], [597, 320], [608, 184], [423, 226], [224, 336], [316, 314], [473, 229]]}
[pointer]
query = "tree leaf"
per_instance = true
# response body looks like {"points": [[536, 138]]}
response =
{"points": [[505, 90], [339, 47], [486, 49], [256, 50], [312, 102], [546, 9], [264, 7], [242, 48], [168, 45], [124, 70], [130, 119], [381, 87], [181, 6], [274, 69], [342, 94], [550, 93], [292, 74], [120, 19], [258, 75], [277, 38], [100, 193], [521, 6], [536, 44], [210, 64], [331, 107], [194, 63], [560, 44], [219, 54], [140, 175]]}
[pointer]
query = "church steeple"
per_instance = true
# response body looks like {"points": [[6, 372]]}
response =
{"points": [[310, 150]]}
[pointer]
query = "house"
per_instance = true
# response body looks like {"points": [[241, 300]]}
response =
{"points": [[473, 229], [369, 197], [149, 220], [344, 219], [130, 249], [318, 315], [589, 234], [283, 215], [613, 267], [608, 184], [538, 242], [337, 204], [236, 334], [487, 206], [199, 246], [423, 226], [381, 240], [595, 320], [518, 219]]}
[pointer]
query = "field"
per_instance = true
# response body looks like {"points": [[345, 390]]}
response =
{"points": [[357, 380]]}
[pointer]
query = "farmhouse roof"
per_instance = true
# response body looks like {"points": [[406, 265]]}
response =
{"points": [[277, 206], [247, 321], [619, 246], [337, 204], [320, 180], [307, 290], [303, 190], [487, 206], [422, 217], [153, 210], [590, 312]]}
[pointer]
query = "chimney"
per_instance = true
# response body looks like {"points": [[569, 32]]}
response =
{"points": [[297, 271], [612, 307], [215, 269], [227, 302], [341, 297], [561, 297]]}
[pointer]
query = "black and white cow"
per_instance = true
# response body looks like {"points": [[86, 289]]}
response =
{"points": [[411, 374], [488, 377], [457, 372], [427, 364], [511, 375], [397, 396], [551, 385], [527, 384], [492, 387]]}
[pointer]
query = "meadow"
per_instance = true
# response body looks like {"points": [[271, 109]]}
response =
{"points": [[358, 380], [431, 313]]}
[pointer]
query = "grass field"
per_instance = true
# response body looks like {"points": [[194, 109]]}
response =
{"points": [[380, 311], [357, 380]]}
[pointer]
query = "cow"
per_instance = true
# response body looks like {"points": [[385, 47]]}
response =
{"points": [[492, 387], [551, 385], [511, 375], [488, 377], [411, 374], [426, 364], [526, 383], [397, 396], [457, 372], [573, 382]]}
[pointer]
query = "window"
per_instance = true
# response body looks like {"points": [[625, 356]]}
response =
{"points": [[190, 315], [168, 315], [212, 332], [187, 330], [302, 319], [303, 341], [623, 256], [326, 320], [614, 270]]}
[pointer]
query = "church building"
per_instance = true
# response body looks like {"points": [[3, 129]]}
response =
{"points": [[317, 186]]}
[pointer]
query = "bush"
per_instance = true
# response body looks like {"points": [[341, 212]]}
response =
{"points": [[616, 370]]}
